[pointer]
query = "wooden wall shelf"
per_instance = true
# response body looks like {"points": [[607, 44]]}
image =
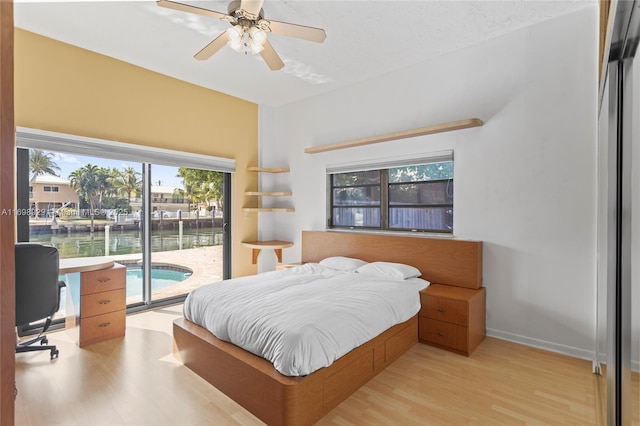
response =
{"points": [[275, 245], [268, 194], [266, 209], [428, 130], [268, 170]]}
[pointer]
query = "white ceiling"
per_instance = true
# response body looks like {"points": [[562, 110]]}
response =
{"points": [[364, 38]]}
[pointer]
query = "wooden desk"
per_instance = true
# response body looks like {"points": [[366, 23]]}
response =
{"points": [[275, 245], [96, 303], [84, 264]]}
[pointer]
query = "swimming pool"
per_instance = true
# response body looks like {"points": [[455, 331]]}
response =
{"points": [[161, 276]]}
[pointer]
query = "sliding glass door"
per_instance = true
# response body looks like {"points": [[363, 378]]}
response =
{"points": [[163, 222], [186, 229]]}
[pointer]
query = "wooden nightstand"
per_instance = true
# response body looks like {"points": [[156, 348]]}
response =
{"points": [[452, 318]]}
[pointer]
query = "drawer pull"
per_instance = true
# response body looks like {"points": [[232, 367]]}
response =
{"points": [[440, 309], [104, 324], [104, 280], [104, 302], [441, 333]]}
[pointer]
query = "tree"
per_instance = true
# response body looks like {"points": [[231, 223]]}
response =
{"points": [[126, 183], [41, 163], [91, 184], [202, 185], [423, 172]]}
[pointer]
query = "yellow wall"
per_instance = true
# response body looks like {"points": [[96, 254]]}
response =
{"points": [[62, 88]]}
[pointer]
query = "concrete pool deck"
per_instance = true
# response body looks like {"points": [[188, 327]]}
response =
{"points": [[205, 262]]}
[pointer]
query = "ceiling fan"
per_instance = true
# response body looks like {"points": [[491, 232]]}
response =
{"points": [[248, 33]]}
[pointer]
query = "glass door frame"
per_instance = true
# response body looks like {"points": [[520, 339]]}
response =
{"points": [[615, 191]]}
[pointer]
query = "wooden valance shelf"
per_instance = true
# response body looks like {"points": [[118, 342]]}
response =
{"points": [[268, 194], [268, 170], [428, 130]]}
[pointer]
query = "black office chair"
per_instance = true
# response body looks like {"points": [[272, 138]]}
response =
{"points": [[37, 293]]}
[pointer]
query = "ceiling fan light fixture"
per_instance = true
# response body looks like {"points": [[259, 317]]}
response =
{"points": [[235, 45], [244, 39], [235, 35], [256, 48], [258, 36]]}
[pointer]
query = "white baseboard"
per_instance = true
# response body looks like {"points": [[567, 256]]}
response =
{"points": [[588, 355]]}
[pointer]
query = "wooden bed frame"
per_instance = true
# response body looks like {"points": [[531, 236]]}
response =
{"points": [[276, 399]]}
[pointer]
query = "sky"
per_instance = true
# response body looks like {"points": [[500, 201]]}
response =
{"points": [[71, 162]]}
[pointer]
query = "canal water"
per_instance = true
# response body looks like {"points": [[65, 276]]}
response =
{"points": [[85, 244]]}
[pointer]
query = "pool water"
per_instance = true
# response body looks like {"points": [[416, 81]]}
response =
{"points": [[160, 278]]}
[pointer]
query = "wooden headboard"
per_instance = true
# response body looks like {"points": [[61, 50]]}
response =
{"points": [[442, 261]]}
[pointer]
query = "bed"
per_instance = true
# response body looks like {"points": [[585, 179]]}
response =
{"points": [[279, 399]]}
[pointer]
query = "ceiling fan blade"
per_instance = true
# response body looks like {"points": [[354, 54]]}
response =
{"points": [[252, 7], [192, 9], [211, 48], [271, 57], [299, 31]]}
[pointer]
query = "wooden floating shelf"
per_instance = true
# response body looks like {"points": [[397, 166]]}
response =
{"points": [[272, 244], [268, 194], [268, 170], [428, 130], [265, 209], [275, 245]]}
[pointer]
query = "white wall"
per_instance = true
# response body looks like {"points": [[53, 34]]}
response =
{"points": [[525, 182]]}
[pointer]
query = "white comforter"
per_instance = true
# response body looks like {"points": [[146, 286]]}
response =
{"points": [[304, 318]]}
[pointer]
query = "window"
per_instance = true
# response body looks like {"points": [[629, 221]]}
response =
{"points": [[50, 189], [417, 197], [356, 199]]}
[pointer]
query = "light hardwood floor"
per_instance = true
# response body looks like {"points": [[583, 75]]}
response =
{"points": [[136, 381]]}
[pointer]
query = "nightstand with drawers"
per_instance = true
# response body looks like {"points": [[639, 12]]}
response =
{"points": [[452, 318]]}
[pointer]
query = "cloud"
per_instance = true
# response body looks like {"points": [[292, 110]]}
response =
{"points": [[65, 158]]}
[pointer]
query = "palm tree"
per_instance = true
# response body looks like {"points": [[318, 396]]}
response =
{"points": [[88, 182], [127, 182], [41, 163], [195, 194]]}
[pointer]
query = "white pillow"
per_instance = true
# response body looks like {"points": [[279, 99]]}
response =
{"points": [[342, 263], [394, 271]]}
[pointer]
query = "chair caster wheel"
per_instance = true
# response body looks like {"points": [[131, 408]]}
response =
{"points": [[44, 341], [54, 353]]}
